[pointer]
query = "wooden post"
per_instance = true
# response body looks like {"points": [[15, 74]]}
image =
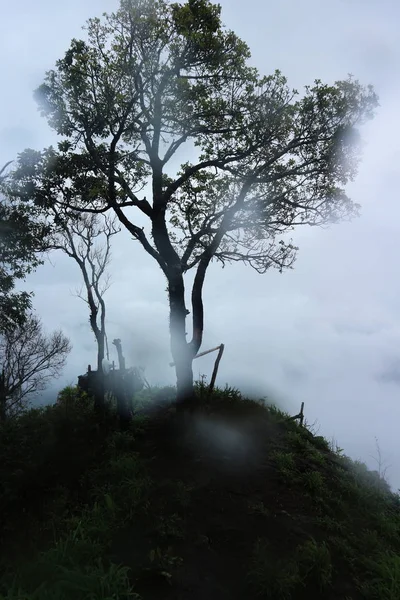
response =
{"points": [[301, 414], [217, 361]]}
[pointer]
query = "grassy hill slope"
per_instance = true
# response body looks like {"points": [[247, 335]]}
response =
{"points": [[235, 502]]}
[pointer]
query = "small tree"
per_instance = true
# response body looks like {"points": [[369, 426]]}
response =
{"points": [[29, 360], [158, 78], [87, 240]]}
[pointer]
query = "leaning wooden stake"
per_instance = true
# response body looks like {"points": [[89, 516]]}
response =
{"points": [[216, 365], [301, 414], [172, 364], [217, 361]]}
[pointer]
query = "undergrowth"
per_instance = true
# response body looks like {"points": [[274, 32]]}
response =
{"points": [[90, 512]]}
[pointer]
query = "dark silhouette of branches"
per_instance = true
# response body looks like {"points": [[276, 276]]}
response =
{"points": [[29, 360]]}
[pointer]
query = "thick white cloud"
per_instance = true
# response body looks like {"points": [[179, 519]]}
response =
{"points": [[324, 333]]}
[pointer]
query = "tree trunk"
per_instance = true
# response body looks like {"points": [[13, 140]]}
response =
{"points": [[184, 383], [180, 349], [100, 351], [124, 410], [171, 265], [99, 402], [197, 304]]}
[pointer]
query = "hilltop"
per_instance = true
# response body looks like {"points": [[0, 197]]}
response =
{"points": [[233, 501]]}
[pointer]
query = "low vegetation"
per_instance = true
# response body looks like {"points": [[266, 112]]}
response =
{"points": [[232, 501]]}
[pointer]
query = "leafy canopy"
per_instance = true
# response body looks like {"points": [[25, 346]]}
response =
{"points": [[22, 231], [158, 80]]}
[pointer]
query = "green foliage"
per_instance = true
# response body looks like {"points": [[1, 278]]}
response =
{"points": [[297, 441], [44, 452], [386, 583], [315, 565], [228, 396], [320, 442], [313, 482], [114, 499], [271, 578], [285, 463], [279, 414], [371, 479], [310, 565], [22, 233], [330, 524], [154, 395], [52, 580]]}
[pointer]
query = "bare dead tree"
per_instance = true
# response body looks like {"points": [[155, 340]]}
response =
{"points": [[87, 239], [29, 360], [380, 461]]}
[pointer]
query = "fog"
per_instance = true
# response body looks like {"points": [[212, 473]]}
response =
{"points": [[327, 332]]}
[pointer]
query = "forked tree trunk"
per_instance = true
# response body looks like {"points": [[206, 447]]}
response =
{"points": [[183, 352], [100, 351]]}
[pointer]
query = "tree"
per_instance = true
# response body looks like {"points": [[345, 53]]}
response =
{"points": [[28, 361], [87, 240], [78, 236], [156, 80], [22, 232]]}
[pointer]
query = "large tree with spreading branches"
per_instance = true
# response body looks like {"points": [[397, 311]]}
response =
{"points": [[162, 94]]}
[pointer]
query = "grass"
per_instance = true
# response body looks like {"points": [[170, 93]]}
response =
{"points": [[89, 512]]}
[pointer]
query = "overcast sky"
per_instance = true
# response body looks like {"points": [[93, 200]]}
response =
{"points": [[326, 333]]}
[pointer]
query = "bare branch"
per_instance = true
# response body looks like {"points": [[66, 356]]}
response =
{"points": [[87, 239], [28, 361]]}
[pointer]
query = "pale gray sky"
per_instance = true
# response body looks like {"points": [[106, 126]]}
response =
{"points": [[326, 333]]}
